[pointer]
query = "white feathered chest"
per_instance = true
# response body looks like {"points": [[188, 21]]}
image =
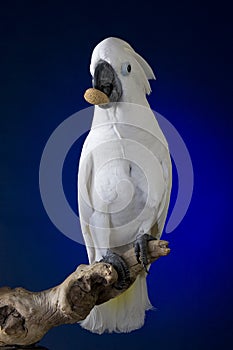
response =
{"points": [[124, 177]]}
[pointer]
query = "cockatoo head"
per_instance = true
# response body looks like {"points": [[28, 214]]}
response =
{"points": [[120, 72]]}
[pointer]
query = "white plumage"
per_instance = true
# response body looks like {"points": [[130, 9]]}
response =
{"points": [[124, 181]]}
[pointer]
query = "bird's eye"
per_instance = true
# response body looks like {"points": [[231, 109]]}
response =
{"points": [[126, 68]]}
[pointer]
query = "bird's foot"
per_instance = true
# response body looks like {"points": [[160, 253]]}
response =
{"points": [[140, 248], [120, 266]]}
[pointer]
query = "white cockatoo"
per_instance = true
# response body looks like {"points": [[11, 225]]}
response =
{"points": [[124, 179]]}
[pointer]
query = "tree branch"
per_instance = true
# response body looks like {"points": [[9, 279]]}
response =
{"points": [[25, 317]]}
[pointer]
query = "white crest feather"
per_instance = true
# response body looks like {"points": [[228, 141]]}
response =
{"points": [[145, 66]]}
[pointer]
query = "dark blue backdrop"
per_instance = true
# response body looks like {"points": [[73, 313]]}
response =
{"points": [[45, 53]]}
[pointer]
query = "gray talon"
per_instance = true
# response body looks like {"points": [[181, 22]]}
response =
{"points": [[120, 266], [140, 248]]}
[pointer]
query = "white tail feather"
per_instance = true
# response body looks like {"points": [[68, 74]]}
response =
{"points": [[122, 314]]}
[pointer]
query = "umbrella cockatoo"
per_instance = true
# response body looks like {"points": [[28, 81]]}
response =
{"points": [[124, 179]]}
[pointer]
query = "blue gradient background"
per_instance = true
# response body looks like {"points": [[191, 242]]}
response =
{"points": [[45, 53]]}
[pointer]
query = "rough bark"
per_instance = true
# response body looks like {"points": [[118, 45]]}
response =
{"points": [[25, 317]]}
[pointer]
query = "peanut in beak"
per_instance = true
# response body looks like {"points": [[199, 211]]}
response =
{"points": [[95, 97]]}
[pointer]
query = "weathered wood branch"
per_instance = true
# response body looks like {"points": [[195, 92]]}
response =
{"points": [[25, 317]]}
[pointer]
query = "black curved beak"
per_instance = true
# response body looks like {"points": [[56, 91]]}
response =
{"points": [[107, 81]]}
